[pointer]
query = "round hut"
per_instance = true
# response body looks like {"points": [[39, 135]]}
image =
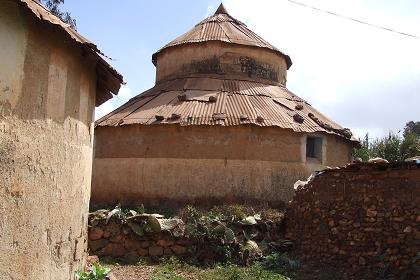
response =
{"points": [[51, 78], [219, 125]]}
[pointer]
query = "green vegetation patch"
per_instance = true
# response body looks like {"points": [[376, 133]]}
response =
{"points": [[175, 270]]}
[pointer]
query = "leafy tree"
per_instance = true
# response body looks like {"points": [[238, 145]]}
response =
{"points": [[54, 7], [412, 128], [392, 147], [388, 147], [411, 144], [364, 151]]}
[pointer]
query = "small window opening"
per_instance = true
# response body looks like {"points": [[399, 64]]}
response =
{"points": [[314, 147]]}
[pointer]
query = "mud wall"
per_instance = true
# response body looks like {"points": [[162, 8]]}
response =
{"points": [[47, 96], [363, 219], [221, 58], [201, 164]]}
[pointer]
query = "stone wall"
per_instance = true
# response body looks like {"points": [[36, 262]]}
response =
{"points": [[362, 218], [117, 240], [47, 98], [202, 164], [206, 236]]}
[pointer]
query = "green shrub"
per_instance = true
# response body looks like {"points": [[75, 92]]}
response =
{"points": [[392, 147], [98, 272], [281, 262]]}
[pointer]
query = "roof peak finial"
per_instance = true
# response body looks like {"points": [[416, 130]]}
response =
{"points": [[221, 10]]}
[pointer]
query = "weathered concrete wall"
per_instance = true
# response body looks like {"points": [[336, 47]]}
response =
{"points": [[215, 57], [47, 95], [362, 219], [201, 164]]}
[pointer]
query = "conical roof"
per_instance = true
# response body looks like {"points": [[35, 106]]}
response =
{"points": [[222, 27], [218, 101], [213, 99]]}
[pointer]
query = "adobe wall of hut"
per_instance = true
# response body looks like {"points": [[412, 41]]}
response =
{"points": [[214, 57], [171, 163], [48, 89]]}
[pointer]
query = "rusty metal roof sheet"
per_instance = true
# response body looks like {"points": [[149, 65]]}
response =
{"points": [[222, 27], [109, 80], [219, 101]]}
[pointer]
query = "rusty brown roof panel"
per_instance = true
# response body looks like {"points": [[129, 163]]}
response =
{"points": [[116, 117], [285, 102], [235, 103], [237, 106], [231, 86], [211, 31], [109, 80], [222, 27], [198, 95], [149, 110]]}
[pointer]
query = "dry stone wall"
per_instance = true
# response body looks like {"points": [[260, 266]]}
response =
{"points": [[117, 240], [222, 233], [362, 218]]}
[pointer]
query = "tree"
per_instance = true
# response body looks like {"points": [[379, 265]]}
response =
{"points": [[53, 6], [363, 152], [392, 147], [388, 147], [411, 144], [412, 128]]}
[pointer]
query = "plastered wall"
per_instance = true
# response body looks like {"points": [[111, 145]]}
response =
{"points": [[47, 95], [203, 164], [186, 59]]}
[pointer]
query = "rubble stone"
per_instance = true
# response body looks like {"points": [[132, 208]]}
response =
{"points": [[178, 249], [155, 251], [363, 220], [95, 233], [98, 244]]}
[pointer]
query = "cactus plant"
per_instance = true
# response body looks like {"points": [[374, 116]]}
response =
{"points": [[136, 228]]}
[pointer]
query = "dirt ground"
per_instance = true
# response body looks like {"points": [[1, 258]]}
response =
{"points": [[132, 272]]}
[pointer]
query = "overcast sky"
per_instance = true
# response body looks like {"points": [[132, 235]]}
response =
{"points": [[360, 76]]}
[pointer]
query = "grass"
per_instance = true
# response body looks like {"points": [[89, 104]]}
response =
{"points": [[175, 270], [233, 272]]}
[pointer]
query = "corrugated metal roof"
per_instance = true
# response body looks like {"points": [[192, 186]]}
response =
{"points": [[222, 27], [218, 101], [109, 80]]}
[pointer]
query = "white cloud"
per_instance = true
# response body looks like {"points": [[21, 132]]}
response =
{"points": [[362, 77], [123, 96]]}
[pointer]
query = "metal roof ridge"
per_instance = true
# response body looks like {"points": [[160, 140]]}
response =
{"points": [[221, 10]]}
